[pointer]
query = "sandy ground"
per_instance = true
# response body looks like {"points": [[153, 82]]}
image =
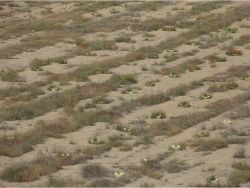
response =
{"points": [[201, 165]]}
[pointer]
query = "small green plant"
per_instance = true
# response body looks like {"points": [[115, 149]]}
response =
{"points": [[212, 179], [151, 163], [118, 174], [123, 128], [95, 140], [53, 88], [128, 90], [173, 75], [153, 56], [231, 30], [203, 134], [206, 96], [177, 147], [158, 115]]}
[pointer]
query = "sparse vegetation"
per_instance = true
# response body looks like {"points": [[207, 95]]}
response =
{"points": [[158, 114], [222, 87], [175, 166], [190, 65], [208, 144], [233, 52], [245, 39], [42, 166], [151, 82], [184, 104], [94, 171], [240, 153], [240, 174], [96, 68], [10, 75], [124, 38]]}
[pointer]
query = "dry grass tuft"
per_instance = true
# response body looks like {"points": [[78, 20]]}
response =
{"points": [[222, 87], [94, 171], [175, 166], [10, 75], [208, 144], [240, 174]]}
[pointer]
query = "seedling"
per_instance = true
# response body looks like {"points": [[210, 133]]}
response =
{"points": [[151, 163], [154, 56], [118, 174], [128, 91], [158, 115], [203, 134], [95, 141], [172, 50], [53, 88], [231, 30], [132, 63], [37, 69], [228, 122], [212, 179], [64, 154], [206, 96], [173, 75], [10, 137], [123, 128], [176, 147], [193, 43]]}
